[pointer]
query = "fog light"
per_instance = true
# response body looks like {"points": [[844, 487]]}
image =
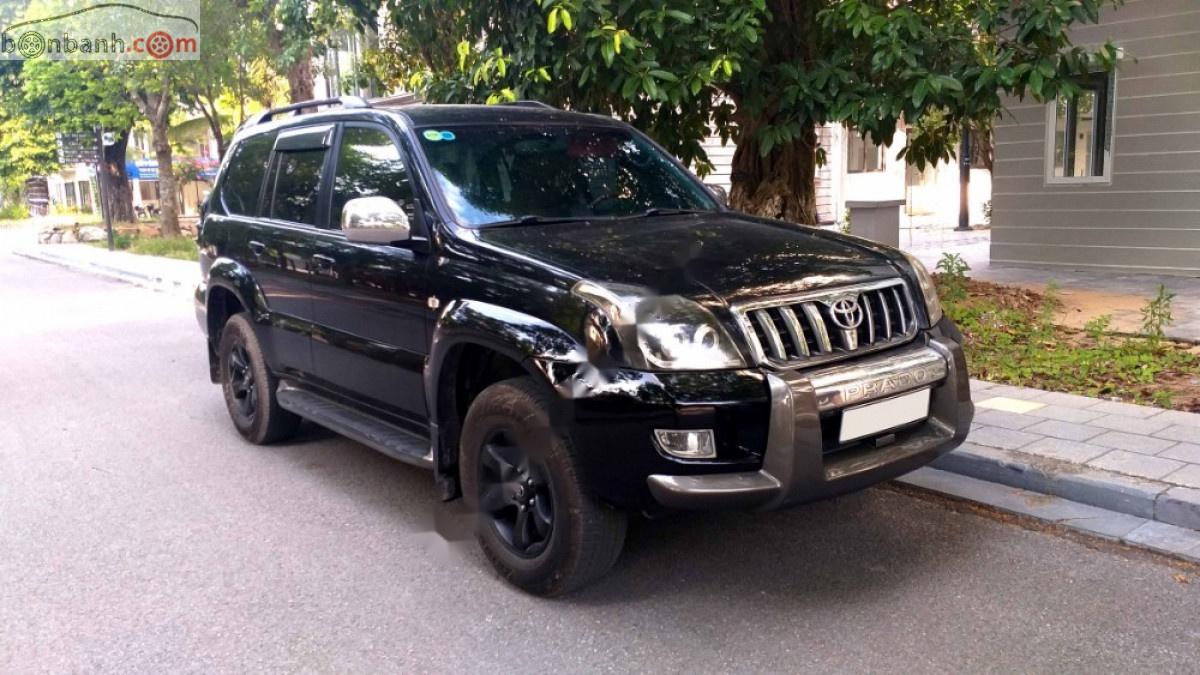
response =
{"points": [[687, 444]]}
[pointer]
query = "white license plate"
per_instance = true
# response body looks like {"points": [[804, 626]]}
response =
{"points": [[878, 416]]}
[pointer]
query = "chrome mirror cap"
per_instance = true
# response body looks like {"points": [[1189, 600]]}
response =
{"points": [[375, 220]]}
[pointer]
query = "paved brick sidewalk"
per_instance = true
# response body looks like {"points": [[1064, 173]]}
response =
{"points": [[1134, 440], [1131, 459]]}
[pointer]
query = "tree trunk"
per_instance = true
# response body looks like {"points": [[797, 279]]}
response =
{"points": [[118, 193], [300, 78], [781, 185], [168, 201]]}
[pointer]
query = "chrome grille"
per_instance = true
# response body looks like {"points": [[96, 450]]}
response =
{"points": [[828, 325]]}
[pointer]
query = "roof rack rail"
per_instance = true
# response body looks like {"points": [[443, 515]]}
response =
{"points": [[531, 104], [344, 101]]}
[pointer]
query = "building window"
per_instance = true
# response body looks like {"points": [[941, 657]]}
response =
{"points": [[862, 154], [1079, 133]]}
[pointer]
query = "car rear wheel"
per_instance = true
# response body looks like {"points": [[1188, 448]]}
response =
{"points": [[249, 387], [537, 523]]}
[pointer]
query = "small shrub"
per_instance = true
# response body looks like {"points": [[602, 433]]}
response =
{"points": [[953, 269], [1097, 327], [1156, 315], [179, 248], [14, 211]]}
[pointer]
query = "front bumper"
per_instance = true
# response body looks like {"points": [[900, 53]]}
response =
{"points": [[796, 465]]}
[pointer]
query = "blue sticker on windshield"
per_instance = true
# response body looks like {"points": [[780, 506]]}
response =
{"points": [[448, 136]]}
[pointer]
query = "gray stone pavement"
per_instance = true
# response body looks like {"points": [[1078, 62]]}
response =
{"points": [[1129, 458], [973, 246]]}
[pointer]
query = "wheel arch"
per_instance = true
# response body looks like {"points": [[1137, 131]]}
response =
{"points": [[476, 344]]}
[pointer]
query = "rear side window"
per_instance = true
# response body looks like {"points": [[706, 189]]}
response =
{"points": [[369, 164], [297, 186], [243, 179]]}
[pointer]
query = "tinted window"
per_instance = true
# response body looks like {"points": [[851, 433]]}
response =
{"points": [[243, 179], [497, 173], [297, 186], [369, 164]]}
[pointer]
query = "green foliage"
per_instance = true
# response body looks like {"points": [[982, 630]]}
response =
{"points": [[14, 211], [1156, 315], [1017, 343], [1097, 327], [177, 248], [953, 276], [682, 69]]}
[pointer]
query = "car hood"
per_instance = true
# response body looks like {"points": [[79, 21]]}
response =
{"points": [[727, 255]]}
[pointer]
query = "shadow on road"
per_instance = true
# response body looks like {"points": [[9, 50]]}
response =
{"points": [[831, 552]]}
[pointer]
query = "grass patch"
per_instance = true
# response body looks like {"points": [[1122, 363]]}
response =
{"points": [[177, 248], [1010, 337]]}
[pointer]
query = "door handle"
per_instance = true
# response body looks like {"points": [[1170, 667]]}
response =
{"points": [[323, 262], [257, 248]]}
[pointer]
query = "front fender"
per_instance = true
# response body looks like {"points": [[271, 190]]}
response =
{"points": [[521, 337]]}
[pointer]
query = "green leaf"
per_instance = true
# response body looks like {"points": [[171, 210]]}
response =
{"points": [[552, 20], [565, 16]]}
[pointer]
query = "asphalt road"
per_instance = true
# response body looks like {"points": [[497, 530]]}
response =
{"points": [[138, 533]]}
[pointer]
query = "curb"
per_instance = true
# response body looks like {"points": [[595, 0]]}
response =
{"points": [[1106, 524], [1149, 499], [156, 282]]}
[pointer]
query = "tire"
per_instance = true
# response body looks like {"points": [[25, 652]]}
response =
{"points": [[508, 425], [249, 386]]}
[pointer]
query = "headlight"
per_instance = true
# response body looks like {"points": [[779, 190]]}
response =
{"points": [[663, 332], [933, 305]]}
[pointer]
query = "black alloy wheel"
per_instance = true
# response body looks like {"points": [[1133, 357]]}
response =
{"points": [[242, 382], [515, 496]]}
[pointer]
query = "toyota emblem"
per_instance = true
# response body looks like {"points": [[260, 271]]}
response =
{"points": [[847, 313]]}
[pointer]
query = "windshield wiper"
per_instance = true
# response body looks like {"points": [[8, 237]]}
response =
{"points": [[534, 220], [656, 211]]}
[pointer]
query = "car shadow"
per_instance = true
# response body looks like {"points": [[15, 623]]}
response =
{"points": [[831, 552]]}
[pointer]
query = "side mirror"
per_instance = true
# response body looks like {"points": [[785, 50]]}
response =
{"points": [[375, 220], [719, 192]]}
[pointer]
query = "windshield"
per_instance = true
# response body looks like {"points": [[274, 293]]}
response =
{"points": [[492, 174]]}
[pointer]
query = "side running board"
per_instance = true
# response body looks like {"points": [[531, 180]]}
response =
{"points": [[386, 438]]}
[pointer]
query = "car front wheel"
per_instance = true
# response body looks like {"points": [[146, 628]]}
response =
{"points": [[537, 523]]}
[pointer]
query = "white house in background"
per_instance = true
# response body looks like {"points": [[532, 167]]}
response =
{"points": [[858, 170], [73, 188]]}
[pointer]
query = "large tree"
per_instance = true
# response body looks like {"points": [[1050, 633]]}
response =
{"points": [[78, 97], [764, 73]]}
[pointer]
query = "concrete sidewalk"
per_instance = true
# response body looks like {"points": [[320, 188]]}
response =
{"points": [[163, 274], [1128, 459]]}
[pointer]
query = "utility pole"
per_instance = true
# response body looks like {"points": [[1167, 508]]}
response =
{"points": [[100, 180], [964, 181]]}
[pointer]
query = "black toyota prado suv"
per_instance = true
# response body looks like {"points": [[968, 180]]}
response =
{"points": [[560, 321]]}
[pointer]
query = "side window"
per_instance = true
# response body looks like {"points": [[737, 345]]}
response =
{"points": [[243, 179], [369, 164], [1080, 132], [862, 155], [297, 186]]}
